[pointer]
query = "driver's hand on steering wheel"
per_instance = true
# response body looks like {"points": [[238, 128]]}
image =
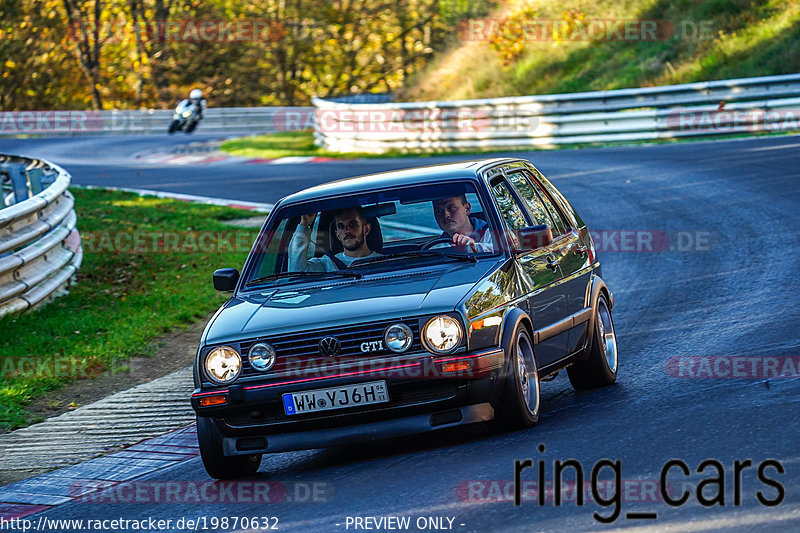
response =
{"points": [[464, 240]]}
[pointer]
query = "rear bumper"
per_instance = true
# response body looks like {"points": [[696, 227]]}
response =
{"points": [[338, 436]]}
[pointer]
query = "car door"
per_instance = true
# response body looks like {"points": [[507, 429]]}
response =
{"points": [[540, 275], [573, 256]]}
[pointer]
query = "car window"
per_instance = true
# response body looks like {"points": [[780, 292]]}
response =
{"points": [[509, 210], [573, 219], [400, 225], [539, 204], [271, 256], [536, 208]]}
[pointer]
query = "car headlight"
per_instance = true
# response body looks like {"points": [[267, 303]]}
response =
{"points": [[398, 337], [442, 334], [261, 356], [223, 364]]}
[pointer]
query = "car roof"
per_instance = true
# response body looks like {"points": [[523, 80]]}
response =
{"points": [[382, 180]]}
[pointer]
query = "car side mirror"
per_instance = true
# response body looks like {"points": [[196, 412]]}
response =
{"points": [[225, 279], [534, 237]]}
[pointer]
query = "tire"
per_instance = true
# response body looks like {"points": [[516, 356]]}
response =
{"points": [[173, 126], [190, 128], [217, 464], [600, 367], [518, 407]]}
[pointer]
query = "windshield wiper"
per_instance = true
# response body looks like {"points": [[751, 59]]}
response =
{"points": [[415, 253], [281, 275]]}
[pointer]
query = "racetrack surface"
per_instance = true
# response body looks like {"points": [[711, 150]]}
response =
{"points": [[733, 294]]}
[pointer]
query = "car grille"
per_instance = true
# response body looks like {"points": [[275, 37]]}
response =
{"points": [[304, 346]]}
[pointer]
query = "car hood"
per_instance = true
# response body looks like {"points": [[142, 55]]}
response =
{"points": [[335, 302]]}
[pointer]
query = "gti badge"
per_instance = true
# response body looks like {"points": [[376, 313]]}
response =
{"points": [[330, 346], [371, 346]]}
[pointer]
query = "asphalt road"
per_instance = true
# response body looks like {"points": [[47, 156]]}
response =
{"points": [[725, 286]]}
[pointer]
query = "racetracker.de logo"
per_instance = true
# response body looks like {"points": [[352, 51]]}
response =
{"points": [[733, 366], [21, 122], [499, 490], [416, 120], [630, 240], [389, 121], [182, 30], [722, 120], [167, 242], [536, 29], [200, 492]]}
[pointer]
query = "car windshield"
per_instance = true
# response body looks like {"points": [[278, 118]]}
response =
{"points": [[392, 229]]}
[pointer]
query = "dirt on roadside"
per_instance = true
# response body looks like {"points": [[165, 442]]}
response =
{"points": [[173, 350]]}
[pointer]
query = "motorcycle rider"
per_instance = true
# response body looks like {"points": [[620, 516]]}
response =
{"points": [[196, 98]]}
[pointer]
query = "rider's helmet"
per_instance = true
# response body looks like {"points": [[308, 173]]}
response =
{"points": [[195, 95]]}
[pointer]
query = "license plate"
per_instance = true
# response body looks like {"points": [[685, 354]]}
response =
{"points": [[312, 401]]}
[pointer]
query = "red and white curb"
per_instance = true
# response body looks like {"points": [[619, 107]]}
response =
{"points": [[73, 483], [206, 158], [291, 160]]}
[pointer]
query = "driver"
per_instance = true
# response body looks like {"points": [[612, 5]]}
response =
{"points": [[351, 230], [452, 215]]}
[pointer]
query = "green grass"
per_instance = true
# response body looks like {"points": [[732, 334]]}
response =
{"points": [[288, 144], [261, 146], [741, 38], [122, 300]]}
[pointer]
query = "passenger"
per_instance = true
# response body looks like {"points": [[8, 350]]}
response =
{"points": [[452, 215], [351, 230]]}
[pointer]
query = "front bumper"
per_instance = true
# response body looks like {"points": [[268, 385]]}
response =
{"points": [[337, 436], [420, 389]]}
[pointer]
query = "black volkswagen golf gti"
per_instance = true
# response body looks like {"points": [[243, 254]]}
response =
{"points": [[400, 303]]}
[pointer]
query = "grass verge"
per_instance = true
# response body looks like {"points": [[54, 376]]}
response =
{"points": [[289, 144], [262, 146], [126, 294], [697, 41]]}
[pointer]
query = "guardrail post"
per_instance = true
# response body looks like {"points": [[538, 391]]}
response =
{"points": [[19, 181], [35, 180]]}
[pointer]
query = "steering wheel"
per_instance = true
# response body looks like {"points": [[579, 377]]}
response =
{"points": [[438, 240]]}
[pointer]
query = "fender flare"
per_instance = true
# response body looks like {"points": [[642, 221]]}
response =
{"points": [[511, 321], [598, 287]]}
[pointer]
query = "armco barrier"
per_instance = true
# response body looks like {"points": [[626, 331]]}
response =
{"points": [[40, 248], [694, 109], [148, 121]]}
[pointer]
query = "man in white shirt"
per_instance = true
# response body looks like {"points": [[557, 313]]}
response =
{"points": [[471, 233], [351, 230]]}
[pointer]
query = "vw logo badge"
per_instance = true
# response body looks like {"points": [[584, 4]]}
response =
{"points": [[330, 346]]}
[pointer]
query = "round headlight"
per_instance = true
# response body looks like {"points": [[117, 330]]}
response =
{"points": [[223, 364], [442, 334], [261, 356], [398, 337]]}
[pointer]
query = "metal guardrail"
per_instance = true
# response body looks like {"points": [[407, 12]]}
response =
{"points": [[215, 120], [694, 109], [40, 248]]}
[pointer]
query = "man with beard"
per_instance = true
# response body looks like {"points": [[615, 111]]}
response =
{"points": [[469, 233], [351, 230]]}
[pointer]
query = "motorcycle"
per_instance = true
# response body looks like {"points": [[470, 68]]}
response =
{"points": [[185, 117]]}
